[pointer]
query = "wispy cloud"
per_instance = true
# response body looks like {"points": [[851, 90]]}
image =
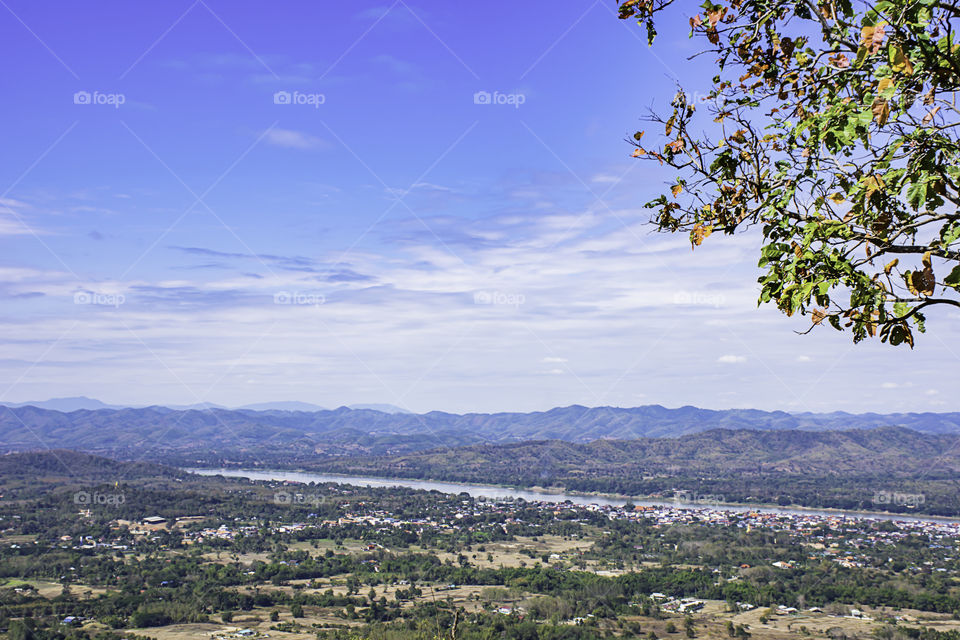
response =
{"points": [[292, 139]]}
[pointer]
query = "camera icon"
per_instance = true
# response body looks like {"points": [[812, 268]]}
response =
{"points": [[282, 497], [81, 97], [81, 497], [282, 97], [82, 297], [282, 297], [483, 297], [482, 97]]}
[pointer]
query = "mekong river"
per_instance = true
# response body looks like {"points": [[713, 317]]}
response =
{"points": [[531, 495]]}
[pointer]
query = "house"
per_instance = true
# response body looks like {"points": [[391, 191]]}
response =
{"points": [[154, 523]]}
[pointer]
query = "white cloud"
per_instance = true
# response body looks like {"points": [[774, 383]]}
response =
{"points": [[889, 385], [293, 139], [605, 179], [410, 333], [12, 226]]}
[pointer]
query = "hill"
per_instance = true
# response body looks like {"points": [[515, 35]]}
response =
{"points": [[34, 466], [895, 450], [888, 468], [133, 432]]}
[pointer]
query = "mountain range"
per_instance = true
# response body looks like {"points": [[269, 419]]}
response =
{"points": [[80, 403], [894, 450], [364, 431]]}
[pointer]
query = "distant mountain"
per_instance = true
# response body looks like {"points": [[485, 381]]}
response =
{"points": [[277, 434], [67, 404], [892, 450], [283, 405], [384, 408], [200, 406]]}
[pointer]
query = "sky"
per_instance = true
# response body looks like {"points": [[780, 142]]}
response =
{"points": [[412, 203]]}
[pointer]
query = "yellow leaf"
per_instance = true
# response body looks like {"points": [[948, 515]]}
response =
{"points": [[699, 233], [837, 197], [887, 269], [873, 184], [675, 189], [899, 62], [927, 262]]}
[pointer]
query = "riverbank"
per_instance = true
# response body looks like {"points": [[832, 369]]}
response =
{"points": [[535, 494]]}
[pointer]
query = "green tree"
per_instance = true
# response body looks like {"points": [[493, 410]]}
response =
{"points": [[19, 630], [831, 125]]}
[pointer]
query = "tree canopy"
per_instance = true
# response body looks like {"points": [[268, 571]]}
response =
{"points": [[831, 125]]}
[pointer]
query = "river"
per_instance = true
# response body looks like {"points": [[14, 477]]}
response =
{"points": [[533, 495]]}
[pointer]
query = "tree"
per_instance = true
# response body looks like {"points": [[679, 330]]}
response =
{"points": [[19, 630], [831, 125]]}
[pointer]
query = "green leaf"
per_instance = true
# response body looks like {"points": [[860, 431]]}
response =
{"points": [[917, 194], [953, 278]]}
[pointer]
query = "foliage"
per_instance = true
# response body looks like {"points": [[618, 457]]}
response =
{"points": [[832, 125]]}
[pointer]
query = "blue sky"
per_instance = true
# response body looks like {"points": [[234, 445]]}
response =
{"points": [[401, 202]]}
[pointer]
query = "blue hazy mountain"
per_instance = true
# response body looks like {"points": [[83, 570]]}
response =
{"points": [[362, 431]]}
